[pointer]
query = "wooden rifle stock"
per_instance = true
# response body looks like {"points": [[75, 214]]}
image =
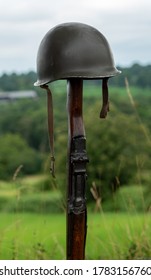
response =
{"points": [[77, 159]]}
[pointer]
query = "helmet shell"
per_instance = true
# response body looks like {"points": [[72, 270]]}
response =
{"points": [[74, 50]]}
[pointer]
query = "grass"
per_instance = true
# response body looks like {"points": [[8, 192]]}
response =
{"points": [[130, 199], [32, 228], [30, 194], [119, 236], [32, 236], [110, 236]]}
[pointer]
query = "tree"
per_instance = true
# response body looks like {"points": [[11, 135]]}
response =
{"points": [[14, 152], [117, 147]]}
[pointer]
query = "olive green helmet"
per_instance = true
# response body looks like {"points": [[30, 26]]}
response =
{"points": [[74, 50]]}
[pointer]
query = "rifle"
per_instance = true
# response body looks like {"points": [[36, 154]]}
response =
{"points": [[77, 159]]}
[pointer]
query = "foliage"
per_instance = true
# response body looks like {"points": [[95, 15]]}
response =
{"points": [[27, 118], [34, 194], [130, 199], [117, 147], [35, 203], [10, 82], [40, 236], [15, 153], [138, 76], [104, 239]]}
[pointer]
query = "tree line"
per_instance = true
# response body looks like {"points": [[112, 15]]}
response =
{"points": [[138, 76]]}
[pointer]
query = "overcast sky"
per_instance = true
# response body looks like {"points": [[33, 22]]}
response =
{"points": [[23, 23]]}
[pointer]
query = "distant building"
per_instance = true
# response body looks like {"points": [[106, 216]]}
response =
{"points": [[13, 95]]}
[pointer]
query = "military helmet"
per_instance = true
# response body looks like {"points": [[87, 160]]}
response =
{"points": [[74, 50]]}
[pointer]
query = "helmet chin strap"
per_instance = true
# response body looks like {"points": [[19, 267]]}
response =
{"points": [[50, 127], [105, 95]]}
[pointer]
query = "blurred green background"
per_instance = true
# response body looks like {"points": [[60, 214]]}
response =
{"points": [[33, 204]]}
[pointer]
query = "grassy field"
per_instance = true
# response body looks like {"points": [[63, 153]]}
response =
{"points": [[32, 236], [33, 225], [110, 236]]}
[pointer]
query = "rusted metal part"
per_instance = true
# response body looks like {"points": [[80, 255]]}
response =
{"points": [[77, 160]]}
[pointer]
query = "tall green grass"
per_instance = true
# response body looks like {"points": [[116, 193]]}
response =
{"points": [[33, 223], [119, 236], [30, 194], [110, 236], [32, 236]]}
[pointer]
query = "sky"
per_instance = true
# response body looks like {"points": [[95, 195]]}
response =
{"points": [[23, 23]]}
